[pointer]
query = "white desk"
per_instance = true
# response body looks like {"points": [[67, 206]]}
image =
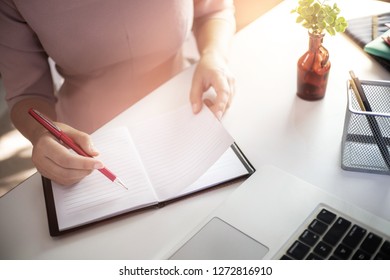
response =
{"points": [[268, 121]]}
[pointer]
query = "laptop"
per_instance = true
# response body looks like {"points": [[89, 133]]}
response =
{"points": [[316, 225]]}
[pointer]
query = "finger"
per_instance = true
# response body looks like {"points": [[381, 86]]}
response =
{"points": [[229, 89], [43, 160], [232, 87], [196, 94], [49, 148], [209, 103], [222, 90], [62, 175], [70, 160], [80, 138]]}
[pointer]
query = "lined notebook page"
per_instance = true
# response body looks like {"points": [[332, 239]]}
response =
{"points": [[179, 147], [227, 166], [96, 197], [157, 159]]}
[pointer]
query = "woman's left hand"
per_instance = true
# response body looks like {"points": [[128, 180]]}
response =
{"points": [[212, 71]]}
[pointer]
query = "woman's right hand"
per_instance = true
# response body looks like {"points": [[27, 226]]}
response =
{"points": [[56, 162]]}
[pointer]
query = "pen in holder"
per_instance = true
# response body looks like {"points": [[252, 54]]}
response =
{"points": [[366, 134]]}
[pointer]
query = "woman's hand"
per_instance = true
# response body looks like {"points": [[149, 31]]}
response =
{"points": [[212, 71], [57, 162]]}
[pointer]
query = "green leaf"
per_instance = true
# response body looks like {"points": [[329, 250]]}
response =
{"points": [[306, 11], [318, 15], [316, 7], [321, 25], [329, 20], [309, 19], [299, 19], [331, 30], [341, 20], [310, 10]]}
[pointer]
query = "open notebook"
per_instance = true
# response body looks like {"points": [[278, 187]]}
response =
{"points": [[159, 160]]}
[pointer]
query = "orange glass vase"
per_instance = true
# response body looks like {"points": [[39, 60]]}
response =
{"points": [[313, 70]]}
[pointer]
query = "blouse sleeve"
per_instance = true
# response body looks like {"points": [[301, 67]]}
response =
{"points": [[215, 9], [24, 64]]}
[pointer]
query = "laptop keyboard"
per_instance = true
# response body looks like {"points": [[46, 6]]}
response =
{"points": [[332, 236]]}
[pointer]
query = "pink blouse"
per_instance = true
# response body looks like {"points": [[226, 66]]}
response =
{"points": [[110, 53]]}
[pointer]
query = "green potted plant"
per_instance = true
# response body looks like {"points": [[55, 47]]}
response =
{"points": [[318, 17]]}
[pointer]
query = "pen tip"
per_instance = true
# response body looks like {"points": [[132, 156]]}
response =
{"points": [[120, 183]]}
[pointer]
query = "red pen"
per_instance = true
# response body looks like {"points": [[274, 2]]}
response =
{"points": [[60, 135]]}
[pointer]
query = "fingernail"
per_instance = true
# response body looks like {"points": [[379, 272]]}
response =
{"points": [[195, 107], [98, 165], [92, 147]]}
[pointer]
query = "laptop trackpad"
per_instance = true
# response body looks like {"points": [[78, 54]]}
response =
{"points": [[218, 240]]}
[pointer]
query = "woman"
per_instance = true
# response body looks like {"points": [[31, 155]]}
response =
{"points": [[110, 54]]}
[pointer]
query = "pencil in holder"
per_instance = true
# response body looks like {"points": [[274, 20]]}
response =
{"points": [[365, 148]]}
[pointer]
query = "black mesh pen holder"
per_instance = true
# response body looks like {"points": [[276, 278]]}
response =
{"points": [[366, 135]]}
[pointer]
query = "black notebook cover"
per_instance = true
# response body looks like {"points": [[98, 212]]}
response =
{"points": [[366, 29]]}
